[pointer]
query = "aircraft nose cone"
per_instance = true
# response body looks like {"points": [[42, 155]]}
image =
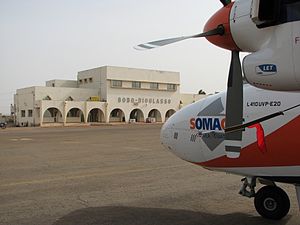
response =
{"points": [[221, 17]]}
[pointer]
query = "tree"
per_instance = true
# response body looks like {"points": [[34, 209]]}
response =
{"points": [[201, 92]]}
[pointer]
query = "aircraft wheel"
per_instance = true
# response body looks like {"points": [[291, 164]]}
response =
{"points": [[272, 202]]}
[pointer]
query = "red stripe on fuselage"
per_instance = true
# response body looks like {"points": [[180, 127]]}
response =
{"points": [[283, 150]]}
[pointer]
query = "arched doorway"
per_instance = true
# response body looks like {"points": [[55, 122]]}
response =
{"points": [[117, 115], [75, 115], [154, 113], [137, 115], [52, 115], [169, 113], [96, 116]]}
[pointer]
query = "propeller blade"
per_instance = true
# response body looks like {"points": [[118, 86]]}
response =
{"points": [[219, 30], [234, 107], [225, 2]]}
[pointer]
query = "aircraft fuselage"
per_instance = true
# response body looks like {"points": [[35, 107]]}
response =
{"points": [[196, 134]]}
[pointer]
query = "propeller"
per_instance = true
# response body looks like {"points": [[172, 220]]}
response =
{"points": [[234, 107], [219, 30], [221, 36]]}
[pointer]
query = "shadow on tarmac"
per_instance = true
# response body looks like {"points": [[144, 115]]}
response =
{"points": [[155, 216]]}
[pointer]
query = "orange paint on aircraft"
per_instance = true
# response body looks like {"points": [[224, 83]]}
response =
{"points": [[221, 17], [283, 150]]}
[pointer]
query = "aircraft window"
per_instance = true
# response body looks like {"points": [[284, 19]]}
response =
{"points": [[290, 11], [275, 12], [268, 13], [268, 10]]}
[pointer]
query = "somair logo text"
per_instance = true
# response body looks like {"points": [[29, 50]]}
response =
{"points": [[210, 118], [207, 123], [210, 123]]}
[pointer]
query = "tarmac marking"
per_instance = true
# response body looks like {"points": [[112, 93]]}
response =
{"points": [[14, 139], [70, 142], [26, 139], [21, 139], [81, 176], [133, 148]]}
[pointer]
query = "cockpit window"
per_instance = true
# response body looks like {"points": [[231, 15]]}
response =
{"points": [[290, 11], [275, 12]]}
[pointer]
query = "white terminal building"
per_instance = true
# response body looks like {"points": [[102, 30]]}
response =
{"points": [[106, 94]]}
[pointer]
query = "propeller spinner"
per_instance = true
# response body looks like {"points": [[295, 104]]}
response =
{"points": [[217, 31]]}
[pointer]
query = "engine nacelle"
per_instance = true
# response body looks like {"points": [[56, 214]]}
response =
{"points": [[270, 30], [277, 66], [267, 69]]}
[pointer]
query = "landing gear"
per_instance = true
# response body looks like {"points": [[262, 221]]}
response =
{"points": [[272, 202], [298, 194], [248, 187]]}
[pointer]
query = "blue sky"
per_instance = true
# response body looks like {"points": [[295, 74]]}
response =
{"points": [[44, 40]]}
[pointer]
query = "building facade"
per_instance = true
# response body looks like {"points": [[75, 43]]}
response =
{"points": [[103, 95]]}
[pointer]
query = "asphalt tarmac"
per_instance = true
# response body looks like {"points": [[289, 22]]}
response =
{"points": [[114, 175]]}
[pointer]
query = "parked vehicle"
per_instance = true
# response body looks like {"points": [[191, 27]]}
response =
{"points": [[3, 125]]}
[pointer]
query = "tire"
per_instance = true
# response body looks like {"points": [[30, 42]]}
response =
{"points": [[272, 202]]}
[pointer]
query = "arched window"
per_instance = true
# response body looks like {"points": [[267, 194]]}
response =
{"points": [[96, 116], [169, 113], [75, 115], [117, 115], [154, 113], [52, 115], [137, 115]]}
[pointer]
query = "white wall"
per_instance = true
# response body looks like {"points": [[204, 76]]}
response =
{"points": [[31, 98], [132, 74], [25, 101], [58, 94], [62, 83], [129, 99], [98, 76], [125, 98]]}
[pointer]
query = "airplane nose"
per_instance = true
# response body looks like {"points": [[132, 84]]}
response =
{"points": [[221, 17]]}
